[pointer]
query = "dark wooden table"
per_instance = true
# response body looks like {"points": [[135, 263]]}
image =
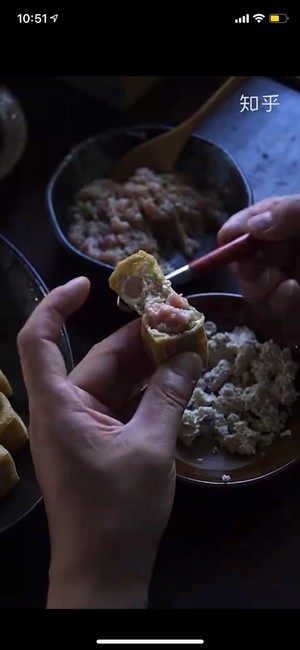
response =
{"points": [[228, 548]]}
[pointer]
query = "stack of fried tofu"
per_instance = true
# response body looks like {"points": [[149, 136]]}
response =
{"points": [[13, 435]]}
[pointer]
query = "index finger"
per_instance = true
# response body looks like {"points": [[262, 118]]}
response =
{"points": [[237, 224], [42, 362], [112, 369]]}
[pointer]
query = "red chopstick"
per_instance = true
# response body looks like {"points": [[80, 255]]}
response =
{"points": [[234, 250], [240, 247]]}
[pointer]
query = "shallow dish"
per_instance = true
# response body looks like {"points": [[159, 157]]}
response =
{"points": [[229, 311], [208, 165], [21, 289]]}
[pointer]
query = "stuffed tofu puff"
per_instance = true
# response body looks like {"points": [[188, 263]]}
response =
{"points": [[13, 435], [5, 386], [8, 473], [169, 325]]}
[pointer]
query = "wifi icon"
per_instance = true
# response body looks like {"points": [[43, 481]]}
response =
{"points": [[258, 17]]}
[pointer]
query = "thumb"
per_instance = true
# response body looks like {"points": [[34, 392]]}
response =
{"points": [[41, 360], [280, 222], [158, 416]]}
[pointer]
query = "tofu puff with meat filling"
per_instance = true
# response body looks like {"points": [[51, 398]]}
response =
{"points": [[8, 472], [13, 432], [13, 435], [170, 325], [5, 386]]}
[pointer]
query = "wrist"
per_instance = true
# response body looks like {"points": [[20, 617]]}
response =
{"points": [[77, 588], [80, 595], [111, 571]]}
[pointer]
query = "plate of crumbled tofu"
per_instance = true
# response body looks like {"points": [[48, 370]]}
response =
{"points": [[242, 423]]}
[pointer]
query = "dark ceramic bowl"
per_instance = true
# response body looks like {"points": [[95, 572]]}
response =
{"points": [[21, 289], [209, 166]]}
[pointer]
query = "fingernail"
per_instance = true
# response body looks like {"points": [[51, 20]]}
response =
{"points": [[76, 282], [260, 222], [188, 365]]}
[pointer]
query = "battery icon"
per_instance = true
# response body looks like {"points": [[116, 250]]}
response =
{"points": [[278, 18]]}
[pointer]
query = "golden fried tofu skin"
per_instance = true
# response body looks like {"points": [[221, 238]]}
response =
{"points": [[8, 473], [169, 325], [13, 432]]}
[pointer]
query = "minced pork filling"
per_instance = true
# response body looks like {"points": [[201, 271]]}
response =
{"points": [[171, 316]]}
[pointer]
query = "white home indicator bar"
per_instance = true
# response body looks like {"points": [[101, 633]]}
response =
{"points": [[150, 641]]}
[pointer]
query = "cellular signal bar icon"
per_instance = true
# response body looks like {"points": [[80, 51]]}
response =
{"points": [[243, 19]]}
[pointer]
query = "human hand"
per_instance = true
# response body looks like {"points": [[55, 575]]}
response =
{"points": [[104, 460], [263, 282]]}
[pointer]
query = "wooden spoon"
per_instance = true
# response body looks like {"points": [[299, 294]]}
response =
{"points": [[162, 152]]}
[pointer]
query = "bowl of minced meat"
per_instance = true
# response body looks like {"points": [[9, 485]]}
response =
{"points": [[242, 422], [167, 215]]}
